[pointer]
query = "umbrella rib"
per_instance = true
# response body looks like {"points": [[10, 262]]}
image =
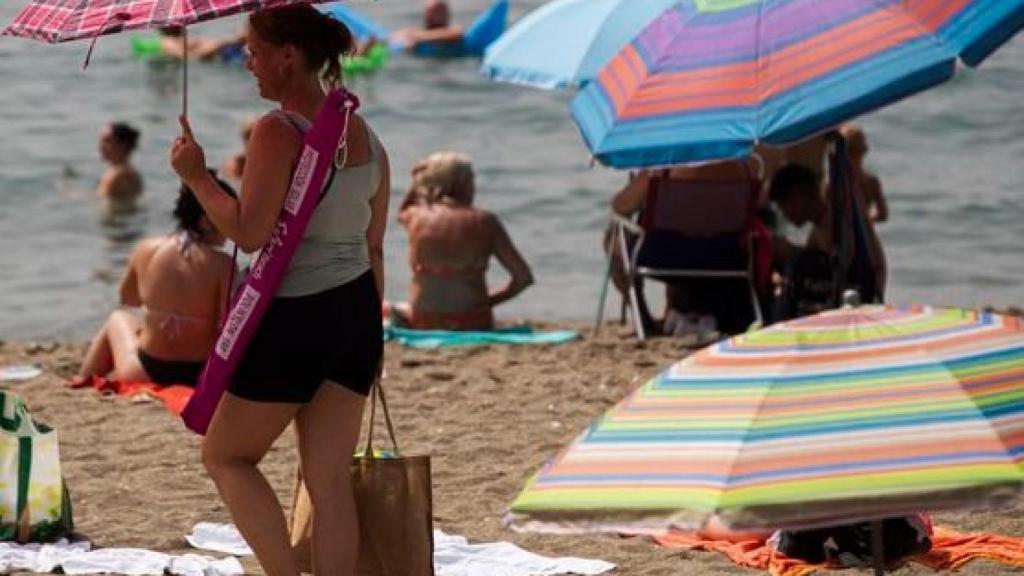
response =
{"points": [[925, 30]]}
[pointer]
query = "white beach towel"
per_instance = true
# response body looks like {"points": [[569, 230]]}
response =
{"points": [[78, 558], [453, 555], [218, 538]]}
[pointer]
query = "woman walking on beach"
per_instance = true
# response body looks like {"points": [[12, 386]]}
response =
{"points": [[319, 346]]}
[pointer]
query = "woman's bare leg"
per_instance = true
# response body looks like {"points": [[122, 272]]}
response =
{"points": [[240, 434], [328, 429], [115, 349], [401, 314]]}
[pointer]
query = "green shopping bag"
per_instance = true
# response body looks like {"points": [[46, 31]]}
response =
{"points": [[34, 502]]}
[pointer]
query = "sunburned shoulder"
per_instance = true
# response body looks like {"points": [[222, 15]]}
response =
{"points": [[275, 129], [145, 249], [147, 246]]}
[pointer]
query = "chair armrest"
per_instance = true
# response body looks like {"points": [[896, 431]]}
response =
{"points": [[626, 223]]}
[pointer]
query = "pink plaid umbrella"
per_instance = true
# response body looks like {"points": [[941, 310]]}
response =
{"points": [[63, 20]]}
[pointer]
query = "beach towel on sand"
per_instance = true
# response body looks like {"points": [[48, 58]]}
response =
{"points": [[174, 397], [453, 555], [950, 551], [451, 338], [81, 558]]}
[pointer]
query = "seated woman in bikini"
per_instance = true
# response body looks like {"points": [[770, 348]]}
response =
{"points": [[450, 245], [180, 282]]}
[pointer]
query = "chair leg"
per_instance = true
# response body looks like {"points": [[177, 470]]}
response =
{"points": [[756, 302], [634, 301], [604, 295]]}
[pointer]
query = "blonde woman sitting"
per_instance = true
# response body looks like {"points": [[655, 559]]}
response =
{"points": [[450, 246]]}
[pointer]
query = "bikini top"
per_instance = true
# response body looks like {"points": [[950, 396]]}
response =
{"points": [[333, 250], [172, 323]]}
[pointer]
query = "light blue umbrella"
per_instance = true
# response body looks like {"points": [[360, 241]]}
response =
{"points": [[566, 42]]}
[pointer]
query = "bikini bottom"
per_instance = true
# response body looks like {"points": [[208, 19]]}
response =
{"points": [[166, 372], [479, 319]]}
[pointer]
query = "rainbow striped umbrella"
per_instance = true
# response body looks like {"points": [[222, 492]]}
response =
{"points": [[849, 415], [708, 78]]}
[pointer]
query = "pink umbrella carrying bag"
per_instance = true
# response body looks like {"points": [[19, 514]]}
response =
{"points": [[319, 147]]}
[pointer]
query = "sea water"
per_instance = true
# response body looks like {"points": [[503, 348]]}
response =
{"points": [[949, 160]]}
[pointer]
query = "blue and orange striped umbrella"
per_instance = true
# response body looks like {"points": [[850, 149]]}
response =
{"points": [[852, 414], [709, 78]]}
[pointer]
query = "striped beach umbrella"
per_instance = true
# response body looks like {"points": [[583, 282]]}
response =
{"points": [[709, 78], [849, 415]]}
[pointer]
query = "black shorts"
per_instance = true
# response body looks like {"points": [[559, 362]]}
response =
{"points": [[332, 335]]}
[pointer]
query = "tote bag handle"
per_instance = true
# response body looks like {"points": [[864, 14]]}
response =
{"points": [[377, 391]]}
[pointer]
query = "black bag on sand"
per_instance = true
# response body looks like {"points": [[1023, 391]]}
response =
{"points": [[849, 545]]}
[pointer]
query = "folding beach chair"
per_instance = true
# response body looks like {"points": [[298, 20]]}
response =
{"points": [[688, 229]]}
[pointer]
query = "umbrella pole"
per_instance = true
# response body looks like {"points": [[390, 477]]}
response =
{"points": [[184, 69], [877, 547]]}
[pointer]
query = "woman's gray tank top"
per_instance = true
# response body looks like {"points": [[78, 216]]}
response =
{"points": [[334, 251]]}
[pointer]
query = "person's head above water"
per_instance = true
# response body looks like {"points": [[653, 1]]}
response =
{"points": [[293, 44], [117, 141], [444, 175], [795, 190], [856, 141], [436, 14], [190, 216]]}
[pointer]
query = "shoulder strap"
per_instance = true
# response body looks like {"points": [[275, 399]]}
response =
{"points": [[290, 118], [328, 184], [294, 122]]}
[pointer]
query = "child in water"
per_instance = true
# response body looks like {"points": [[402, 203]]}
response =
{"points": [[121, 181]]}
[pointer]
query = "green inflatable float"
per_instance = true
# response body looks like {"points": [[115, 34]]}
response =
{"points": [[374, 59]]}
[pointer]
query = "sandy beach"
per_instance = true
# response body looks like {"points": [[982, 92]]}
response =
{"points": [[489, 416]]}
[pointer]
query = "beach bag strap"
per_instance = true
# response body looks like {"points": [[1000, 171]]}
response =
{"points": [[377, 391]]}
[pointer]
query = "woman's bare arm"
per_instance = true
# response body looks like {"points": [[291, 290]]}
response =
{"points": [[379, 223], [129, 292], [248, 221], [876, 198], [509, 257], [630, 199]]}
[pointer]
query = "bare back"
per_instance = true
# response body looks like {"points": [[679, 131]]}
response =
{"points": [[449, 249], [182, 291]]}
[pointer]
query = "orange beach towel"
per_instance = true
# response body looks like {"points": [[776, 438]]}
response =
{"points": [[174, 397], [950, 551]]}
